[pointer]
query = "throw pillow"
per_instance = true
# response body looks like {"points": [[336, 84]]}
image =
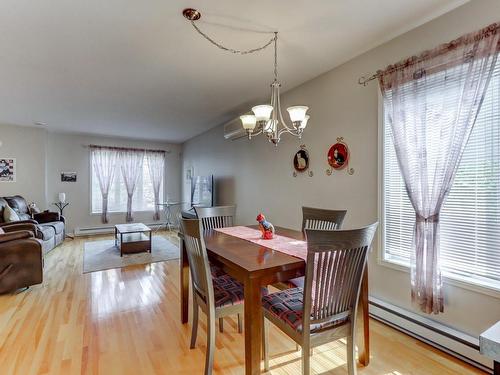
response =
{"points": [[9, 215]]}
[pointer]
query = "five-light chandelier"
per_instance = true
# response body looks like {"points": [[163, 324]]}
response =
{"points": [[266, 118]]}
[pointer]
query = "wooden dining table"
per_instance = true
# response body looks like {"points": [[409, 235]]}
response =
{"points": [[256, 266]]}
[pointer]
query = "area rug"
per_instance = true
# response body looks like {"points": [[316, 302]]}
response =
{"points": [[104, 255]]}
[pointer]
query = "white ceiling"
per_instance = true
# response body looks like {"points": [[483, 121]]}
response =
{"points": [[138, 69]]}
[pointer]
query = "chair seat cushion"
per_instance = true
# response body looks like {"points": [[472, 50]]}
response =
{"points": [[216, 271], [298, 282], [288, 306], [227, 291], [57, 225]]}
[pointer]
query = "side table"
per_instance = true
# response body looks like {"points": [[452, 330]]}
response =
{"points": [[61, 206]]}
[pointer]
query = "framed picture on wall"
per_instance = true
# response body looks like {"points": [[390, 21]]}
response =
{"points": [[68, 176], [7, 170]]}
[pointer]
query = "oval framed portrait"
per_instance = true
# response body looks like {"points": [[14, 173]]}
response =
{"points": [[338, 155], [301, 160]]}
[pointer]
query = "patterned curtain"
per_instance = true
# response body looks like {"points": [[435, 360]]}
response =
{"points": [[431, 102], [131, 164], [156, 164], [104, 161]]}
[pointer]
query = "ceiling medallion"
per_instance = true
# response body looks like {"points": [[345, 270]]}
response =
{"points": [[266, 118]]}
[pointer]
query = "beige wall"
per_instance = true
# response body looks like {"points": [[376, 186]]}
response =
{"points": [[69, 152], [28, 146], [258, 177], [42, 156]]}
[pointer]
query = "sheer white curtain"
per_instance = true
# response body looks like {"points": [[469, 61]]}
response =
{"points": [[131, 163], [104, 162], [156, 166], [430, 130]]}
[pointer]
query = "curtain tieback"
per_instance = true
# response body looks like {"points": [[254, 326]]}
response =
{"points": [[429, 219]]}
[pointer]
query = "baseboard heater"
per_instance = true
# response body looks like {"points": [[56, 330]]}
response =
{"points": [[106, 229], [449, 340]]}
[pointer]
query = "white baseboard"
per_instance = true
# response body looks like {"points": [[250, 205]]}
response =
{"points": [[449, 340], [90, 231]]}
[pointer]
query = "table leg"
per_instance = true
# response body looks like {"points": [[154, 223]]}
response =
{"points": [[121, 243], [184, 282], [150, 242], [496, 368], [116, 239], [364, 326], [253, 326]]}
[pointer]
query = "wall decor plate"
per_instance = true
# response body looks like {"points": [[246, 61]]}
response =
{"points": [[338, 155], [301, 160]]}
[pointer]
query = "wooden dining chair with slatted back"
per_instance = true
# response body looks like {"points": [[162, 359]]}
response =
{"points": [[213, 218], [325, 310], [216, 217], [315, 218], [322, 219], [215, 296]]}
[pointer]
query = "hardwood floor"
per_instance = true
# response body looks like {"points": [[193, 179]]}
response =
{"points": [[127, 321]]}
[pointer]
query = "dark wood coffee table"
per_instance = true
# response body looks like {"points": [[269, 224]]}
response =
{"points": [[133, 238]]}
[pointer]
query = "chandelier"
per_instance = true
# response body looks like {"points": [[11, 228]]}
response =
{"points": [[266, 119]]}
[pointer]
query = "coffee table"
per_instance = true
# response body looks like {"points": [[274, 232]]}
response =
{"points": [[133, 238]]}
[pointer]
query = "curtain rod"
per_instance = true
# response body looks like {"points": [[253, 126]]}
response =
{"points": [[129, 149], [364, 80]]}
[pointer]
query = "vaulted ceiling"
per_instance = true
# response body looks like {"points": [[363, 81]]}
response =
{"points": [[138, 69]]}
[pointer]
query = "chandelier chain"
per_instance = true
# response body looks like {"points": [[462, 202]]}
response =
{"points": [[275, 56], [235, 51]]}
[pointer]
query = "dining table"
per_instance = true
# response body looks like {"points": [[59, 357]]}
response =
{"points": [[257, 266]]}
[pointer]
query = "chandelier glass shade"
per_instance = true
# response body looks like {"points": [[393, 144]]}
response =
{"points": [[266, 119]]}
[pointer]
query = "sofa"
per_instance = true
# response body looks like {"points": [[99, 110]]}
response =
{"points": [[49, 227], [21, 259]]}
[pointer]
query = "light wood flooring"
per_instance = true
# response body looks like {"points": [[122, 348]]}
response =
{"points": [[127, 321]]}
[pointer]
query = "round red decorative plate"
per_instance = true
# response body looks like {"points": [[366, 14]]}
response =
{"points": [[338, 155]]}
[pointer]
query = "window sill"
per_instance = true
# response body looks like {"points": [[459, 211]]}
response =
{"points": [[115, 213], [454, 280]]}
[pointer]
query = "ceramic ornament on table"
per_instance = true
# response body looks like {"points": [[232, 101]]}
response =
{"points": [[265, 227]]}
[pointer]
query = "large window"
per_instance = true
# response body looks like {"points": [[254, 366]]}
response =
{"points": [[470, 218], [143, 199]]}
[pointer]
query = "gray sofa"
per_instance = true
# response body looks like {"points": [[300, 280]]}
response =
{"points": [[50, 227]]}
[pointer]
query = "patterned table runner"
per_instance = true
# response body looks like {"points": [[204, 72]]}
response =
{"points": [[287, 245]]}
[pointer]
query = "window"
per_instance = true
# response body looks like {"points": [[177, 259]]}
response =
{"points": [[470, 217], [143, 199]]}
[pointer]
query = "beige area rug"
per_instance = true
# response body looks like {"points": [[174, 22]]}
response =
{"points": [[104, 255]]}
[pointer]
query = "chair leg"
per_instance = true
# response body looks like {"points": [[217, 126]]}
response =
{"points": [[209, 360], [265, 343], [351, 354], [194, 329], [306, 357], [240, 324], [221, 325]]}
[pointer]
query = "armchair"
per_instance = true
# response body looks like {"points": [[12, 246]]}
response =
{"points": [[21, 263]]}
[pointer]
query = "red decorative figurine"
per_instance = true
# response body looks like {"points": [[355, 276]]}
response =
{"points": [[265, 227]]}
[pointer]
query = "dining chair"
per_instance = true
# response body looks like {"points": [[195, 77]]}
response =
{"points": [[315, 218], [325, 309], [322, 219], [216, 217], [213, 218], [215, 296]]}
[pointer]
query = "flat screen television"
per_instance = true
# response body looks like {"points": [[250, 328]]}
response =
{"points": [[202, 191]]}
